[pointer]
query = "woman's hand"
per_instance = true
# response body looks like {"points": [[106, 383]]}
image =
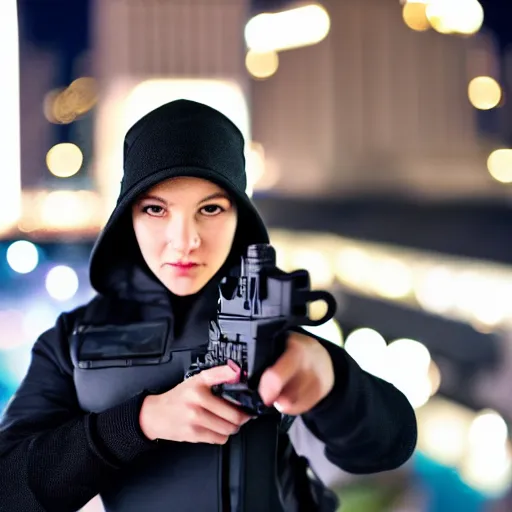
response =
{"points": [[300, 378], [190, 412]]}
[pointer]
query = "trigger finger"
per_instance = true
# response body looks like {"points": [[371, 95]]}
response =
{"points": [[238, 371]]}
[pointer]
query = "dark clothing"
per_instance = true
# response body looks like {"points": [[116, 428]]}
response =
{"points": [[72, 429], [71, 433]]}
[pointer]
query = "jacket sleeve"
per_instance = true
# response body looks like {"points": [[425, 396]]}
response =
{"points": [[366, 423], [53, 456]]}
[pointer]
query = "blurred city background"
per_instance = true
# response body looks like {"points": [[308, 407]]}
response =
{"points": [[379, 150]]}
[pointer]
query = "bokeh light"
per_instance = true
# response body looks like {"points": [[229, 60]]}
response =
{"points": [[354, 267], [62, 283], [316, 263], [487, 463], [415, 16], [330, 331], [428, 286], [455, 16], [406, 366], [368, 348], [484, 92], [415, 353], [64, 160], [392, 278], [490, 426], [262, 65], [499, 165], [294, 28], [63, 106], [71, 209], [22, 256]]}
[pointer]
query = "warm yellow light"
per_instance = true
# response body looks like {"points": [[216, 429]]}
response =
{"points": [[49, 111], [470, 18], [317, 263], [440, 14], [392, 279], [484, 92], [10, 167], [83, 94], [499, 165], [64, 160], [63, 106], [415, 16], [57, 109], [261, 64], [455, 16], [294, 28], [67, 209]]}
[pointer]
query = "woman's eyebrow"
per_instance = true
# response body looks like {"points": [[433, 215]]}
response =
{"points": [[152, 197], [216, 195]]}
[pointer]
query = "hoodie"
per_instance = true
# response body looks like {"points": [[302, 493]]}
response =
{"points": [[71, 431]]}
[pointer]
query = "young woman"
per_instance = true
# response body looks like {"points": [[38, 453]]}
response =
{"points": [[105, 409]]}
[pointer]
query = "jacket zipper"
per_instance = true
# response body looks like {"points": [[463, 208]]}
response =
{"points": [[232, 482], [225, 497]]}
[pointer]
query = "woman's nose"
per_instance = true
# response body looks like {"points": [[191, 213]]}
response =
{"points": [[182, 235]]}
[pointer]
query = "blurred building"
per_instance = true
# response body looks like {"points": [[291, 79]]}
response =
{"points": [[375, 107]]}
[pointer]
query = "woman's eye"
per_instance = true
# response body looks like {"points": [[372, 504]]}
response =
{"points": [[212, 209], [154, 210]]}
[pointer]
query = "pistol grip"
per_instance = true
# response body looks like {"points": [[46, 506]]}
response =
{"points": [[243, 397]]}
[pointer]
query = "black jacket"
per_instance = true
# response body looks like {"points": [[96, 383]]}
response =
{"points": [[71, 430]]}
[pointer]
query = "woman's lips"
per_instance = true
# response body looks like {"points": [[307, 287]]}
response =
{"points": [[183, 269], [184, 265]]}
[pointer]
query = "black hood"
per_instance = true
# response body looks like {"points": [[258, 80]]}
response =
{"points": [[180, 138]]}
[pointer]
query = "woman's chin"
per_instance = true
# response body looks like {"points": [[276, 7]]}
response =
{"points": [[183, 286]]}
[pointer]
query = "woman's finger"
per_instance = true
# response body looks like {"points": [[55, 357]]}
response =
{"points": [[275, 378], [202, 418]]}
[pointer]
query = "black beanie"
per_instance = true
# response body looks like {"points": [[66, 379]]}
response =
{"points": [[180, 138]]}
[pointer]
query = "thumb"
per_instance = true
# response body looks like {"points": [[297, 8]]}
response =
{"points": [[219, 375]]}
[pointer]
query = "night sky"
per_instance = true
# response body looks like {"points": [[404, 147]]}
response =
{"points": [[498, 18]]}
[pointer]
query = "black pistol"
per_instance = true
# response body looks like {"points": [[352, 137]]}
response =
{"points": [[256, 309]]}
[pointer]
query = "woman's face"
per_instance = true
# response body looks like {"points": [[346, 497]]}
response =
{"points": [[185, 229]]}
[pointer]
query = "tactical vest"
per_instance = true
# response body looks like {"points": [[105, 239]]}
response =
{"points": [[256, 471]]}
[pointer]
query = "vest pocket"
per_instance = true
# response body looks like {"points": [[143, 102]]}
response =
{"points": [[144, 343]]}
